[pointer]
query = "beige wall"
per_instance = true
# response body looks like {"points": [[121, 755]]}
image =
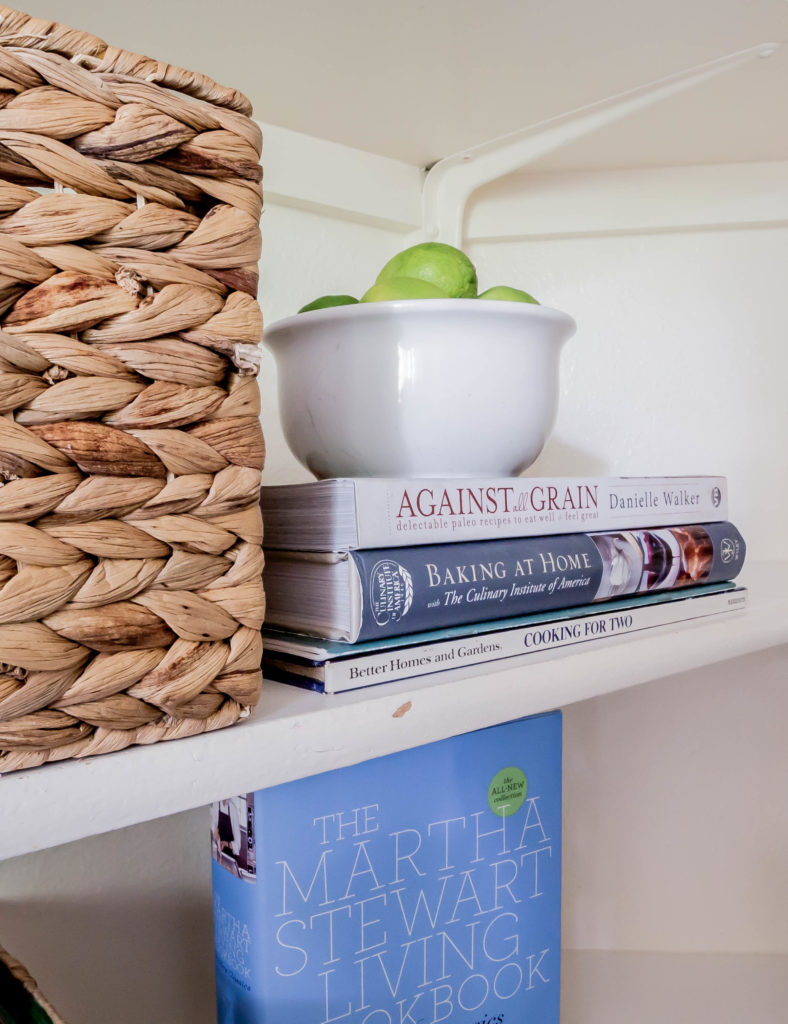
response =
{"points": [[675, 816]]}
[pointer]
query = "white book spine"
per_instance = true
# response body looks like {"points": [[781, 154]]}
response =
{"points": [[521, 643], [399, 513]]}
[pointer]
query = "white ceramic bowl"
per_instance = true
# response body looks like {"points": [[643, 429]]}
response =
{"points": [[413, 388]]}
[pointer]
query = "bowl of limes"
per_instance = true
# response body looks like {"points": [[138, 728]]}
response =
{"points": [[422, 376]]}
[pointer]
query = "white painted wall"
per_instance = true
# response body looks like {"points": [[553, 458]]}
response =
{"points": [[117, 929], [306, 255], [680, 361], [675, 823]]}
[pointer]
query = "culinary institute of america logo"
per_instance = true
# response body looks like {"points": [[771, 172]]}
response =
{"points": [[390, 591]]}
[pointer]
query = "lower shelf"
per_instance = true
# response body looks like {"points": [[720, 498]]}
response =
{"points": [[652, 988], [296, 733]]}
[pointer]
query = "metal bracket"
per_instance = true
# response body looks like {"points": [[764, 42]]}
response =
{"points": [[450, 182]]}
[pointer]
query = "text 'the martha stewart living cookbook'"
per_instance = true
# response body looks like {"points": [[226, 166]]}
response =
{"points": [[418, 888]]}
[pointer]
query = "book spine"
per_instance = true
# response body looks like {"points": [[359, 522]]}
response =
{"points": [[408, 590], [512, 646], [398, 513], [233, 868]]}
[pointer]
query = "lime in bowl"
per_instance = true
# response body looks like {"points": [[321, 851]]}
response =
{"points": [[417, 388]]}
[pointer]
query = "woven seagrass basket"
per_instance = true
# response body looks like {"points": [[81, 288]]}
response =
{"points": [[20, 999], [130, 446]]}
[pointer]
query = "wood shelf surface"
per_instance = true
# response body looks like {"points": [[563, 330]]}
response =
{"points": [[296, 733]]}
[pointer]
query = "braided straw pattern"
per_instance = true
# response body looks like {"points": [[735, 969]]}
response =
{"points": [[130, 445]]}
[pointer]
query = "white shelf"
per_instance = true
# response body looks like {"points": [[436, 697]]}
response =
{"points": [[296, 733], [615, 987]]}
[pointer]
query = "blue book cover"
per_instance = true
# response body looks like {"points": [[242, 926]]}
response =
{"points": [[417, 888], [407, 590]]}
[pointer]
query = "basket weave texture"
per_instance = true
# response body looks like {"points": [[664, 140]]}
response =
{"points": [[130, 445]]}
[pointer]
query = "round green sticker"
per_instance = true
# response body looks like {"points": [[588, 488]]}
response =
{"points": [[507, 792]]}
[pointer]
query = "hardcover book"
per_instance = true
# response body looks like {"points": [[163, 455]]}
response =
{"points": [[344, 514], [370, 594], [330, 666], [418, 888]]}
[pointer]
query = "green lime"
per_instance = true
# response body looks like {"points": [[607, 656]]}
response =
{"points": [[402, 288], [436, 263], [505, 294], [326, 301]]}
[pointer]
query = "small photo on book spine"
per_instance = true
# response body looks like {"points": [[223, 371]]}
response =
{"points": [[233, 836], [697, 554]]}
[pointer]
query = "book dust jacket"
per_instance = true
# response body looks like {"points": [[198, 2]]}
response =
{"points": [[415, 888]]}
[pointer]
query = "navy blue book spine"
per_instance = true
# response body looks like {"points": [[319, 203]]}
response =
{"points": [[407, 590]]}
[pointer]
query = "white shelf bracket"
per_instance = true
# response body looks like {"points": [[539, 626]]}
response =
{"points": [[450, 182]]}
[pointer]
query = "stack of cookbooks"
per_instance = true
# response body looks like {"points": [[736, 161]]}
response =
{"points": [[373, 580]]}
